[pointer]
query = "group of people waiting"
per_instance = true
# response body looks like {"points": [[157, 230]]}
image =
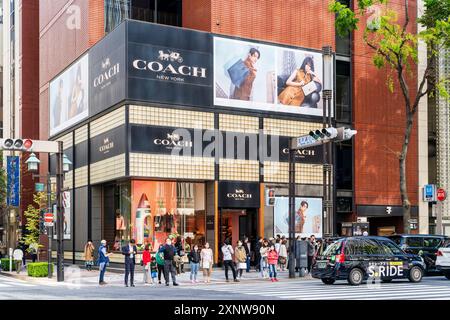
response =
{"points": [[269, 256]]}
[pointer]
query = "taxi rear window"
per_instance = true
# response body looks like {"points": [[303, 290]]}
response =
{"points": [[333, 249]]}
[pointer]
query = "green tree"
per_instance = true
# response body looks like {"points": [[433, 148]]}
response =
{"points": [[395, 48], [32, 216]]}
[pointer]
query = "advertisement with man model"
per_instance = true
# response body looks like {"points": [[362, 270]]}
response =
{"points": [[69, 94]]}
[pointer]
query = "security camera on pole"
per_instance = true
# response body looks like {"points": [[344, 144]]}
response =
{"points": [[314, 138], [62, 165]]}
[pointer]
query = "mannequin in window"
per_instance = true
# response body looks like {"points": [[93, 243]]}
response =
{"points": [[120, 225]]}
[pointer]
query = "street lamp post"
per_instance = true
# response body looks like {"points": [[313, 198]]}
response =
{"points": [[292, 242], [62, 166]]}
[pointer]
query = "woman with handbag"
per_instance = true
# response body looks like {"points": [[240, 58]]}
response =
{"points": [[282, 259], [146, 259], [206, 256], [89, 255], [241, 258]]}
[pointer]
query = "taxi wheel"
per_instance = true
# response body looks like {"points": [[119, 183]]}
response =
{"points": [[356, 277], [447, 275], [328, 281], [415, 274]]}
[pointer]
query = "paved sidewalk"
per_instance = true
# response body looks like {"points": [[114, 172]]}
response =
{"points": [[76, 276]]}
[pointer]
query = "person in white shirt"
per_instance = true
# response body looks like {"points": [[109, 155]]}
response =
{"points": [[18, 256], [227, 251]]}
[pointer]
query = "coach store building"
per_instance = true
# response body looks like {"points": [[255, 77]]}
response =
{"points": [[166, 141]]}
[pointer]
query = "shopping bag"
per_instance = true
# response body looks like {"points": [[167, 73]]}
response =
{"points": [[309, 88], [238, 72]]}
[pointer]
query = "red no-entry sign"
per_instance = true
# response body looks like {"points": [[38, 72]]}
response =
{"points": [[441, 194], [48, 217]]}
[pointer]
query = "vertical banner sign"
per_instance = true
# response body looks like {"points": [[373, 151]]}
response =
{"points": [[66, 207], [13, 181]]}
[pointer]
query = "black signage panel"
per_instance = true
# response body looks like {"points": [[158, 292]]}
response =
{"points": [[169, 65], [169, 141], [108, 144], [312, 155], [235, 194], [107, 71]]}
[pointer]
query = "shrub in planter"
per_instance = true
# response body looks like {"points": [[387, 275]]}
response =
{"points": [[38, 269], [5, 264]]}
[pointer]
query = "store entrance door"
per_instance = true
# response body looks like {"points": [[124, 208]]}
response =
{"points": [[236, 224]]}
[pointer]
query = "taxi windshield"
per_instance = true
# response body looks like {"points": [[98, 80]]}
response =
{"points": [[333, 249]]}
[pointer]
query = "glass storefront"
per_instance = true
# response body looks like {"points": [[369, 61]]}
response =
{"points": [[151, 211], [160, 209]]}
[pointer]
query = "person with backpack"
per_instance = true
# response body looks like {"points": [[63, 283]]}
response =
{"points": [[194, 260], [272, 259], [159, 257], [103, 261], [169, 252], [89, 255], [227, 251]]}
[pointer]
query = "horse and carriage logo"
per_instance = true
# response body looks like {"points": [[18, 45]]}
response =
{"points": [[170, 55]]}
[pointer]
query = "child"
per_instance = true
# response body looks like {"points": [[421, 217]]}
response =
{"points": [[153, 269], [272, 257]]}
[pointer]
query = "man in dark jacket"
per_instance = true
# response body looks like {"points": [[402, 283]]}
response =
{"points": [[130, 252], [169, 252], [248, 252], [258, 254]]}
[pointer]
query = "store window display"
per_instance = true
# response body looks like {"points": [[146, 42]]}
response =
{"points": [[162, 209]]}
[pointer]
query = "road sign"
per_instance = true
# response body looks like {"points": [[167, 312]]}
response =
{"points": [[39, 187], [429, 193], [441, 194], [48, 217]]}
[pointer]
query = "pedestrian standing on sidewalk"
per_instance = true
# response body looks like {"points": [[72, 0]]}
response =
{"points": [[103, 261], [311, 251], [227, 251], [179, 253], [258, 246], [206, 256], [283, 255], [272, 258], [263, 262], [159, 257], [18, 259], [89, 255], [146, 260], [241, 258], [169, 252], [130, 252], [153, 269], [34, 249], [248, 252], [194, 261]]}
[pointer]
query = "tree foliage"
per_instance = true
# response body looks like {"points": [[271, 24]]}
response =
{"points": [[395, 48], [32, 216]]}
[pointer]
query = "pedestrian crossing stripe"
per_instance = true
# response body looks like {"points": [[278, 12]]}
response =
{"points": [[318, 291]]}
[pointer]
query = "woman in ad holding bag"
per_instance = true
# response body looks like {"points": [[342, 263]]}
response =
{"points": [[206, 256], [301, 85]]}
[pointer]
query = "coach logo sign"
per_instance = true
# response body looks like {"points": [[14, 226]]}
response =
{"points": [[108, 73], [173, 140], [107, 146], [168, 66], [239, 194]]}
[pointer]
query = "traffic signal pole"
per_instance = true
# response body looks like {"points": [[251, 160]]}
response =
{"points": [[292, 241]]}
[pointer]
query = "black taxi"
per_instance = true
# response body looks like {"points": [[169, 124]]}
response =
{"points": [[357, 259]]}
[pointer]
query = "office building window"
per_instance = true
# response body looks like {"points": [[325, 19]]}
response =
{"points": [[157, 11], [344, 165], [343, 92]]}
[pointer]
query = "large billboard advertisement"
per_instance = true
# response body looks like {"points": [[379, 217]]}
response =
{"points": [[265, 77], [308, 216], [69, 96]]}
